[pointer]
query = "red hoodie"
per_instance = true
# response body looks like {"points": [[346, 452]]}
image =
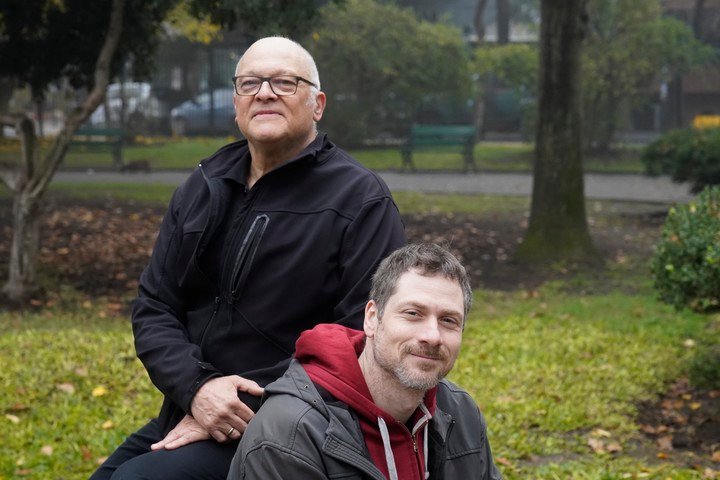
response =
{"points": [[329, 354]]}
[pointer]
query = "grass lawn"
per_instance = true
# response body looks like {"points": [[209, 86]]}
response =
{"points": [[552, 370], [184, 153]]}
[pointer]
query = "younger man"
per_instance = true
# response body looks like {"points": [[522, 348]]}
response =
{"points": [[375, 405]]}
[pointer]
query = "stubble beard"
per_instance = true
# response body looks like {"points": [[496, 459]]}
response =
{"points": [[410, 378]]}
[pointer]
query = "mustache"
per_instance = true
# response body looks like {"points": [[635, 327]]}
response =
{"points": [[426, 351]]}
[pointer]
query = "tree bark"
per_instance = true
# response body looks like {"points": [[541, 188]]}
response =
{"points": [[503, 21], [557, 229], [479, 110], [479, 20], [31, 177]]}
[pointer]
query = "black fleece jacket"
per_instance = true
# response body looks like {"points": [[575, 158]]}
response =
{"points": [[237, 274]]}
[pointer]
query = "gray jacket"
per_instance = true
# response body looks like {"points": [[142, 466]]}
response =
{"points": [[299, 433]]}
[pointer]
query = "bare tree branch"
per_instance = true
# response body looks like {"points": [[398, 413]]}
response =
{"points": [[80, 113]]}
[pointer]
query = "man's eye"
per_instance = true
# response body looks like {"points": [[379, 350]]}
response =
{"points": [[450, 321], [249, 83]]}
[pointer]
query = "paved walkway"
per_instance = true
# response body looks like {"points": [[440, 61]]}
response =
{"points": [[597, 186]]}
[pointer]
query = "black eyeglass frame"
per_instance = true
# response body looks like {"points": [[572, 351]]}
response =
{"points": [[297, 78]]}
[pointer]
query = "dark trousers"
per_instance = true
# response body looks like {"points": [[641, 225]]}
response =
{"points": [[133, 460]]}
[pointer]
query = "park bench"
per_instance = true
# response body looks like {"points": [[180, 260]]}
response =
{"points": [[422, 136], [101, 138]]}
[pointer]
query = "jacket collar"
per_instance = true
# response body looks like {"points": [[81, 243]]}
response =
{"points": [[237, 159]]}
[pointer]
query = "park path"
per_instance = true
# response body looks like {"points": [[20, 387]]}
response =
{"points": [[628, 187]]}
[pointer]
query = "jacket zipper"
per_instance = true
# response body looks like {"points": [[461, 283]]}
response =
{"points": [[246, 255], [212, 317]]}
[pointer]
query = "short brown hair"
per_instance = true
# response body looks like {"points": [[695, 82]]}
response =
{"points": [[428, 259]]}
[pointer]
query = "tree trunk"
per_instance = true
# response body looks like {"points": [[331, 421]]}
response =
{"points": [[25, 244], [479, 20], [557, 229], [503, 22], [479, 110], [29, 181]]}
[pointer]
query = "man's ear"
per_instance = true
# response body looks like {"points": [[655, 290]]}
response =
{"points": [[319, 107], [371, 319]]}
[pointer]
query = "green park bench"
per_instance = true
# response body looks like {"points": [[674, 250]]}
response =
{"points": [[422, 136], [101, 138]]}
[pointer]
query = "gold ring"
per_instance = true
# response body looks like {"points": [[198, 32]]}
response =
{"points": [[229, 432]]}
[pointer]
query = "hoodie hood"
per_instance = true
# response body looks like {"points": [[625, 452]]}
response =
{"points": [[329, 355]]}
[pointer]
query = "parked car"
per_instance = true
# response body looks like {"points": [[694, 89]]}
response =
{"points": [[194, 115], [144, 113]]}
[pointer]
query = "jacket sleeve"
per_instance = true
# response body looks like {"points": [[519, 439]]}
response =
{"points": [[373, 234], [268, 461], [492, 472], [174, 364]]}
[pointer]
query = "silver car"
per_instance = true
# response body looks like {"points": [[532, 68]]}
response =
{"points": [[195, 116]]}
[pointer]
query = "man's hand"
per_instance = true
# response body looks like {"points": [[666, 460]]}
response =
{"points": [[217, 408], [186, 432]]}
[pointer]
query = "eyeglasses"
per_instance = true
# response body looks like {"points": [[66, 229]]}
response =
{"points": [[281, 85]]}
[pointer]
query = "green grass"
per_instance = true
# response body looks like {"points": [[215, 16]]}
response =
{"points": [[165, 153], [549, 368]]}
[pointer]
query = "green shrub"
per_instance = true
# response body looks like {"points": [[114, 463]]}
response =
{"points": [[687, 156], [705, 367], [686, 264]]}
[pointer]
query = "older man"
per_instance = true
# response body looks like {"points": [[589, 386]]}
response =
{"points": [[267, 238], [375, 406]]}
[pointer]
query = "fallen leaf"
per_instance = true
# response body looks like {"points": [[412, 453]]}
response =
{"points": [[81, 372], [686, 396], [598, 446], [503, 461], [99, 391], [599, 432], [13, 418], [108, 425], [86, 453], [19, 407], [716, 457], [662, 455], [101, 460], [689, 343], [23, 471], [649, 429], [695, 405], [665, 443], [710, 474], [614, 447], [46, 450], [68, 388]]}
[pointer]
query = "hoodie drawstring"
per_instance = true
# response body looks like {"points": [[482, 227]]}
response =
{"points": [[389, 457], [385, 435]]}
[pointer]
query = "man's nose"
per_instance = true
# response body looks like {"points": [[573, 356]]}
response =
{"points": [[265, 91], [430, 332]]}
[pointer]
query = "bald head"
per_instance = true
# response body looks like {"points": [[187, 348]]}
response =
{"points": [[284, 47]]}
